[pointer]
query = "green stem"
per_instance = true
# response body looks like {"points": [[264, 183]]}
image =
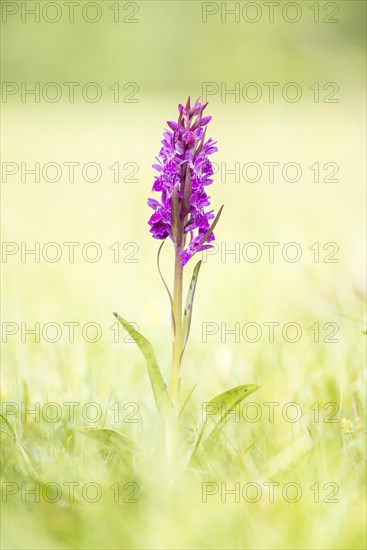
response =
{"points": [[177, 337]]}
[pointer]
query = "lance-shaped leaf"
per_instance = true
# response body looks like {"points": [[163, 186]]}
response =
{"points": [[187, 190], [211, 228], [117, 441], [160, 391], [186, 322], [186, 401], [217, 412], [175, 215], [166, 286]]}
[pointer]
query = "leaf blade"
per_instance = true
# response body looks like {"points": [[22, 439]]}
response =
{"points": [[160, 390], [165, 285], [117, 441], [186, 323], [221, 405], [212, 227]]}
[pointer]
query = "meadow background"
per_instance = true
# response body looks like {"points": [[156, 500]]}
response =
{"points": [[169, 52]]}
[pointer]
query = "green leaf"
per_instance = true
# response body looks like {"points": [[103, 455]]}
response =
{"points": [[218, 412], [187, 400], [165, 285], [160, 391], [212, 227], [186, 323], [187, 190], [117, 441]]}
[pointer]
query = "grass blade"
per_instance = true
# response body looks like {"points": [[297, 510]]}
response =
{"points": [[7, 437]]}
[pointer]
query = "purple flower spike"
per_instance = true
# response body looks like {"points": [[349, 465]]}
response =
{"points": [[184, 171]]}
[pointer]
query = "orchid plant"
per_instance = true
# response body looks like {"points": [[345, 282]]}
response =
{"points": [[184, 172], [182, 215]]}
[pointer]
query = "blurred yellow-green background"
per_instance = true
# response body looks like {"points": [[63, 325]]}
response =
{"points": [[143, 58]]}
